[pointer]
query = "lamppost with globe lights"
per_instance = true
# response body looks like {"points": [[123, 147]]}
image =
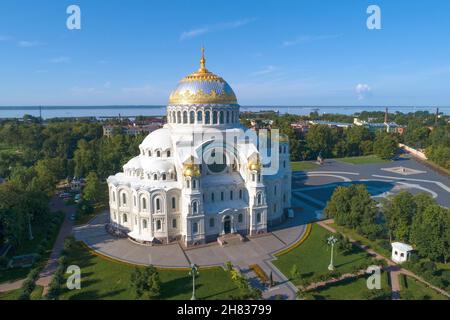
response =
{"points": [[194, 272], [331, 240]]}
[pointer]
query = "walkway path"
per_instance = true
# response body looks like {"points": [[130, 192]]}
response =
{"points": [[394, 269], [45, 277], [8, 286]]}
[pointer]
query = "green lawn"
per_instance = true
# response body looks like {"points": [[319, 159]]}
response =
{"points": [[349, 289], [28, 247], [313, 257], [14, 294], [362, 160], [105, 279], [415, 290], [304, 166]]}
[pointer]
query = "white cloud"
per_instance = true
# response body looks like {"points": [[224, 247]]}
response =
{"points": [[217, 27], [30, 44], [61, 59], [264, 71], [308, 38], [363, 91]]}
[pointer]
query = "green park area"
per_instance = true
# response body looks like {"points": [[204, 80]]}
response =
{"points": [[102, 278], [313, 257], [351, 289], [370, 159], [15, 294], [304, 165], [415, 290]]}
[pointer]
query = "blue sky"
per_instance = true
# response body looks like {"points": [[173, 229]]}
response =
{"points": [[312, 52]]}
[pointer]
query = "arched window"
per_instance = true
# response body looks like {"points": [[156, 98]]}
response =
{"points": [[114, 196], [124, 199], [174, 223], [158, 204], [240, 218], [194, 184], [158, 154], [275, 208], [212, 197], [149, 153], [258, 217], [231, 195], [125, 218], [208, 117], [199, 117], [144, 204], [228, 116], [192, 117], [212, 222], [179, 117], [155, 177], [275, 190], [188, 184], [174, 203], [134, 200], [240, 194], [144, 223], [158, 224], [168, 154], [214, 119], [164, 176], [259, 199], [195, 228], [195, 207], [221, 118], [185, 117], [222, 196]]}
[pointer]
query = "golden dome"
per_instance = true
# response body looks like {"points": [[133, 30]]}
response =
{"points": [[202, 87], [191, 170], [254, 166]]}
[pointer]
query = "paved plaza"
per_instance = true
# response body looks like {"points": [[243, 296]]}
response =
{"points": [[311, 190]]}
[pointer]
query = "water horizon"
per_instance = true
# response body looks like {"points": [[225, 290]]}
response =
{"points": [[131, 111]]}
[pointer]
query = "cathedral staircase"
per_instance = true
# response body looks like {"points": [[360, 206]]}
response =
{"points": [[230, 239]]}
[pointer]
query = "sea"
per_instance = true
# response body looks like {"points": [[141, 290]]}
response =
{"points": [[103, 112]]}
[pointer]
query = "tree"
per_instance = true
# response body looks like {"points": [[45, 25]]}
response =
{"points": [[93, 190], [146, 282], [84, 158], [385, 145], [430, 233], [320, 138], [399, 212]]}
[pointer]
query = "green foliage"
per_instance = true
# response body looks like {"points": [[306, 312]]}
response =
{"points": [[146, 282], [94, 190], [385, 145], [399, 212], [353, 207]]}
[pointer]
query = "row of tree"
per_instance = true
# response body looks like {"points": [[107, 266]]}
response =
{"points": [[415, 219]]}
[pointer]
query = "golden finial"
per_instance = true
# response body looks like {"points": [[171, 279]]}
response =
{"points": [[203, 61]]}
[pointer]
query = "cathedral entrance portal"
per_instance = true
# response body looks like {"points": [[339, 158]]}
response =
{"points": [[227, 225]]}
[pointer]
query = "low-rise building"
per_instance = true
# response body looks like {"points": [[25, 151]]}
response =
{"points": [[401, 252]]}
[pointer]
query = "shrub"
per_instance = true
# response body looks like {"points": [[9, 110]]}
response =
{"points": [[3, 262]]}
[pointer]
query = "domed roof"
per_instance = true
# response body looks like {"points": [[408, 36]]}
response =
{"points": [[158, 139], [202, 87]]}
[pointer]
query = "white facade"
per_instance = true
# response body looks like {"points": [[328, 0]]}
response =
{"points": [[400, 252], [176, 189]]}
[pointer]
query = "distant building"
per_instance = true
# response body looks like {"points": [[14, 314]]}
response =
{"points": [[401, 252], [131, 130], [300, 127], [377, 126], [331, 124]]}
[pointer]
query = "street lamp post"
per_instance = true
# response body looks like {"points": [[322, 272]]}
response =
{"points": [[194, 272], [331, 241]]}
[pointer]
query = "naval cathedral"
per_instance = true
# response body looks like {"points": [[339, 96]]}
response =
{"points": [[191, 184]]}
